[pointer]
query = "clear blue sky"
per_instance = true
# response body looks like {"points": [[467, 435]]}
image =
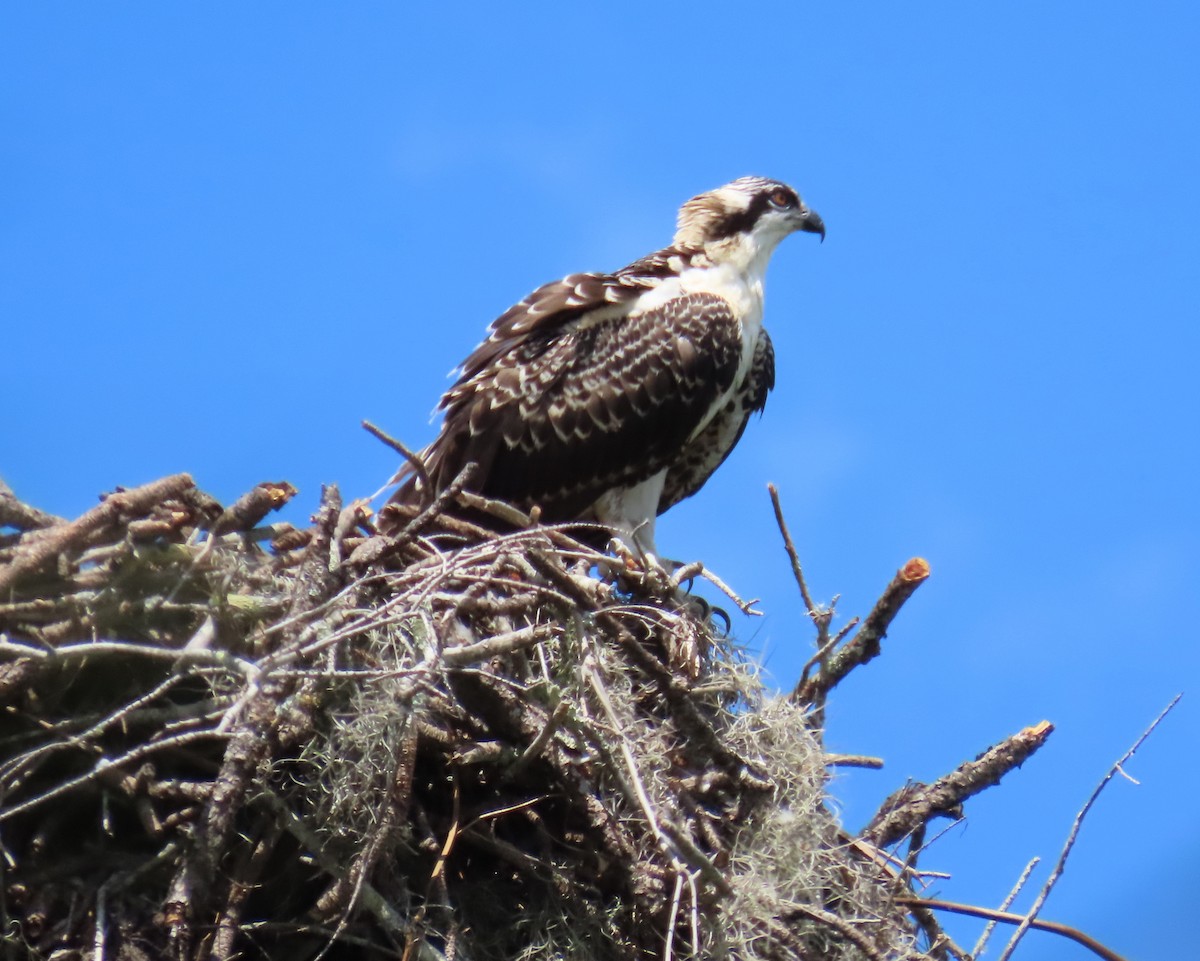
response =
{"points": [[228, 232]]}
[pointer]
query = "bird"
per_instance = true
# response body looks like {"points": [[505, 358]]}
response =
{"points": [[607, 398]]}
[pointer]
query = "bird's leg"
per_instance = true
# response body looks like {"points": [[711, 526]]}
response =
{"points": [[638, 565]]}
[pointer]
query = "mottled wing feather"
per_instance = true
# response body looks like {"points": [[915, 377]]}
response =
{"points": [[558, 414], [708, 450], [562, 302]]}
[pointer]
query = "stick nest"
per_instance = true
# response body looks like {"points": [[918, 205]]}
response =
{"points": [[220, 739]]}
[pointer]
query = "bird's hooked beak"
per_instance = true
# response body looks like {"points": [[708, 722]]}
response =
{"points": [[810, 222]]}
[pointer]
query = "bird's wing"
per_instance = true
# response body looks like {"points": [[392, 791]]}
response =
{"points": [[708, 450], [560, 303], [557, 413]]}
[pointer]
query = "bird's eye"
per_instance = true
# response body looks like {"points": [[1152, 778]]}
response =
{"points": [[781, 198]]}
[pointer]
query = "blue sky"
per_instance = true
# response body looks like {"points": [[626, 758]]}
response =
{"points": [[230, 232]]}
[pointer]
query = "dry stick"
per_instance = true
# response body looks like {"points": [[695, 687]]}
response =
{"points": [[821, 618], [853, 760], [940, 943], [790, 547], [538, 744], [506, 643], [1070, 842], [635, 790], [256, 730], [746, 607], [865, 644], [682, 846], [822, 652], [839, 924], [695, 913], [58, 539], [388, 916], [80, 741], [396, 812], [413, 459], [244, 878], [945, 794], [669, 950], [103, 765], [69, 652], [245, 512], [1009, 918], [376, 547], [346, 529], [15, 513], [676, 693], [986, 935], [501, 510]]}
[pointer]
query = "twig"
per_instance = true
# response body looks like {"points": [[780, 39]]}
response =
{"points": [[917, 804], [1061, 864], [821, 616], [103, 766], [940, 943], [245, 512], [865, 644], [839, 924], [986, 934], [80, 740], [746, 607], [538, 744], [1009, 918], [16, 513], [70, 652], [635, 790], [100, 932], [853, 760], [501, 510], [790, 547], [372, 901], [672, 917], [506, 643], [374, 548], [414, 459], [821, 654], [244, 877], [55, 540]]}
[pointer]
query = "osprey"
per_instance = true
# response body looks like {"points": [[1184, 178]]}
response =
{"points": [[612, 397]]}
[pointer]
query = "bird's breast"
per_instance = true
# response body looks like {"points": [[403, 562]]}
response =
{"points": [[744, 293], [742, 290]]}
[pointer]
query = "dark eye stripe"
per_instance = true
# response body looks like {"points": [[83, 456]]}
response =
{"points": [[746, 219]]}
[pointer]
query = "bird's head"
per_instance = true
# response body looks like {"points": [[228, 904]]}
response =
{"points": [[759, 210]]}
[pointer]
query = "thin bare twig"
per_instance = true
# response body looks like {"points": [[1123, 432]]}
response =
{"points": [[105, 765], [414, 459], [841, 925], [790, 547], [506, 643], [1009, 918], [1061, 864], [986, 934], [746, 607]]}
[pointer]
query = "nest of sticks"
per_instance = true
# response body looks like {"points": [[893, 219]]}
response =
{"points": [[222, 738]]}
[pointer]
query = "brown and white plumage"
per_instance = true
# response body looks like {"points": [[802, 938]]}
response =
{"points": [[611, 397]]}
